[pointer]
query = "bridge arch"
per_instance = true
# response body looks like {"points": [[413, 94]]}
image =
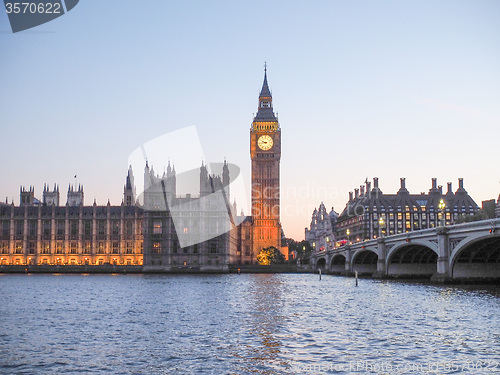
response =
{"points": [[365, 262], [412, 259], [321, 264], [476, 257], [337, 265]]}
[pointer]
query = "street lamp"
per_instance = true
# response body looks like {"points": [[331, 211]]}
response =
{"points": [[441, 207], [380, 225], [348, 232]]}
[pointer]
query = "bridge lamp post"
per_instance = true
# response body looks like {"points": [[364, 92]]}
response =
{"points": [[441, 207], [348, 232], [380, 226]]}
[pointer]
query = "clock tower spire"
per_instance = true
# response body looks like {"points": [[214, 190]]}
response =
{"points": [[265, 152]]}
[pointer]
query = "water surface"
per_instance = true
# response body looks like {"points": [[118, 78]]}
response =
{"points": [[244, 324]]}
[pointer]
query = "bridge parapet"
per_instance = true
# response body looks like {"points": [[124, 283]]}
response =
{"points": [[446, 242]]}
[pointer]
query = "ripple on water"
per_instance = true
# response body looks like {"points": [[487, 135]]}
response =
{"points": [[238, 324]]}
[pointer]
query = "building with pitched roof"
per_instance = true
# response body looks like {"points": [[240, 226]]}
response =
{"points": [[370, 213]]}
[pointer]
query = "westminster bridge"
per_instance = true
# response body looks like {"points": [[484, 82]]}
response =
{"points": [[453, 252]]}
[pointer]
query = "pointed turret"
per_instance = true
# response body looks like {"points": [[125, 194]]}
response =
{"points": [[265, 112], [204, 180], [129, 188], [265, 92], [50, 198], [225, 174], [171, 181], [27, 197], [75, 197], [148, 178]]}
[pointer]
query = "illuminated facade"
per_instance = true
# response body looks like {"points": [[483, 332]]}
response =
{"points": [[188, 233], [265, 153], [46, 233], [369, 213]]}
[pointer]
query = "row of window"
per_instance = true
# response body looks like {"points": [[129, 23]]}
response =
{"points": [[184, 263], [421, 208], [101, 227], [213, 227], [71, 261], [415, 216], [157, 248], [72, 248]]}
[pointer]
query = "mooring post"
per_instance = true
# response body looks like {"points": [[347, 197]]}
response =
{"points": [[356, 277], [320, 273]]}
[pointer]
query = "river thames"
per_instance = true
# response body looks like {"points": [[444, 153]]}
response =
{"points": [[244, 324]]}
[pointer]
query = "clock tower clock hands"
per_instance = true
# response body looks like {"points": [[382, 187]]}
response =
{"points": [[265, 142]]}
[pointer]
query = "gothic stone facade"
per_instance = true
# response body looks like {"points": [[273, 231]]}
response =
{"points": [[36, 233], [187, 233]]}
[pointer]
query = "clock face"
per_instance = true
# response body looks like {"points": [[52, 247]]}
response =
{"points": [[265, 142]]}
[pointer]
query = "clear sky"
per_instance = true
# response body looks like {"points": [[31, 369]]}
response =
{"points": [[384, 89]]}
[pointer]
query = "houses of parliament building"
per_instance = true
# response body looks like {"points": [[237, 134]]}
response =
{"points": [[166, 232]]}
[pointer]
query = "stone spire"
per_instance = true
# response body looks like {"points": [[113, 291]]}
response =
{"points": [[265, 92], [265, 112], [129, 188]]}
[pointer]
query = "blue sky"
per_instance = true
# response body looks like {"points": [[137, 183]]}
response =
{"points": [[363, 88]]}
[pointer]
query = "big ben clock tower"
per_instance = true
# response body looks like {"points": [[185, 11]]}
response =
{"points": [[265, 152]]}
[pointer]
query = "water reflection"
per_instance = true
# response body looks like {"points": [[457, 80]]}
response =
{"points": [[264, 296]]}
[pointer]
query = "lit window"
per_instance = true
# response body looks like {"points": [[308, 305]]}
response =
{"points": [[156, 248], [157, 227]]}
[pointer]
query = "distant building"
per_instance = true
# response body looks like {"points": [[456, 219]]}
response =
{"points": [[370, 213], [321, 233], [497, 208], [488, 209]]}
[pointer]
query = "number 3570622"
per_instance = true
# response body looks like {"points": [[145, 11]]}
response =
{"points": [[33, 8]]}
